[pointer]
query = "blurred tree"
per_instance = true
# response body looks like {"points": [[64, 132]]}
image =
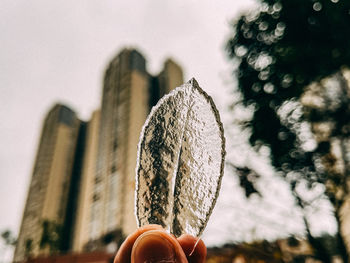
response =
{"points": [[51, 236], [8, 240], [247, 178], [292, 57]]}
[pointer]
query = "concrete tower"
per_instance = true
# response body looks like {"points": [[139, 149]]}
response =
{"points": [[85, 197], [129, 92], [124, 109], [47, 202]]}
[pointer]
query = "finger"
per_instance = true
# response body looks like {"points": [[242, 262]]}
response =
{"points": [[195, 252], [157, 246], [124, 252]]}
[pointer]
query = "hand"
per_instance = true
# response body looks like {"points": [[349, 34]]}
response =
{"points": [[153, 244]]}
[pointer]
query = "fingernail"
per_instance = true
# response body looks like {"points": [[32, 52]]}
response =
{"points": [[151, 247]]}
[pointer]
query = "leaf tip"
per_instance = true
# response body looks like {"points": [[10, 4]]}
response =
{"points": [[193, 82]]}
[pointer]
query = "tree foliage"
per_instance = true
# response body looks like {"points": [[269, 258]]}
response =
{"points": [[51, 236], [8, 238], [8, 242], [292, 58]]}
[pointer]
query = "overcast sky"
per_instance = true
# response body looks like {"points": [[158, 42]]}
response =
{"points": [[54, 51]]}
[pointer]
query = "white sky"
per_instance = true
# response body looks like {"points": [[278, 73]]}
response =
{"points": [[58, 50]]}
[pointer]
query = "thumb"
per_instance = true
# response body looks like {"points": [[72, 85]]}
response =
{"points": [[157, 246]]}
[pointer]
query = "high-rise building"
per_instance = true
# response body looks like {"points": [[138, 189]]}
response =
{"points": [[124, 108], [48, 201], [170, 77], [85, 197], [83, 183], [129, 92]]}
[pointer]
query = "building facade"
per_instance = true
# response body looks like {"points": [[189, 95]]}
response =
{"points": [[129, 92], [48, 196], [83, 181], [85, 193]]}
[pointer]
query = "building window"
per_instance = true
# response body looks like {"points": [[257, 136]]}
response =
{"points": [[95, 197]]}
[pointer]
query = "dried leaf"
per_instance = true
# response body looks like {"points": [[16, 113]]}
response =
{"points": [[180, 162]]}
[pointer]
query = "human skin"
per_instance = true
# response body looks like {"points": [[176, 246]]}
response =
{"points": [[152, 244]]}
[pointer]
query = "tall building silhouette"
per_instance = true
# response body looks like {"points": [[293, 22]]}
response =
{"points": [[91, 176], [83, 213], [54, 172], [129, 92]]}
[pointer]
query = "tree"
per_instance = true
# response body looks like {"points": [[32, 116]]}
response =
{"points": [[51, 236], [8, 240], [292, 56]]}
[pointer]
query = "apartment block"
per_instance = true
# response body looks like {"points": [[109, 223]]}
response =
{"points": [[129, 92], [46, 209]]}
